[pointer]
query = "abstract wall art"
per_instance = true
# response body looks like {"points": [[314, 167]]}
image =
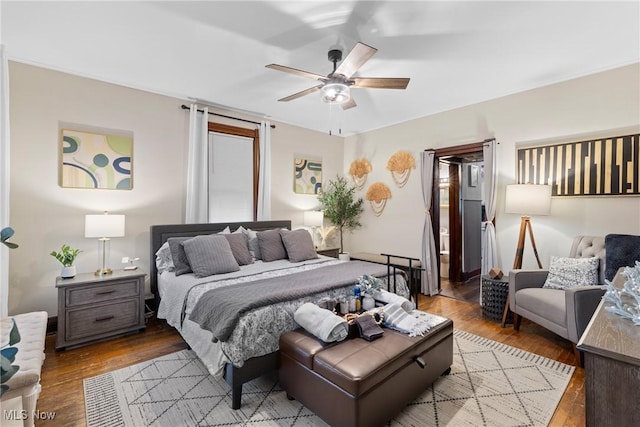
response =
{"points": [[96, 160], [307, 176], [597, 167]]}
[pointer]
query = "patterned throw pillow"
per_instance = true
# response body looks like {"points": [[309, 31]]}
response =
{"points": [[567, 273], [210, 254]]}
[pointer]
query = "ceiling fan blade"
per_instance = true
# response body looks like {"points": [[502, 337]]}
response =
{"points": [[349, 104], [380, 82], [300, 94], [356, 59], [297, 72]]}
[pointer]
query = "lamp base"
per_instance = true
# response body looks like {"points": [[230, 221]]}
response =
{"points": [[103, 271]]}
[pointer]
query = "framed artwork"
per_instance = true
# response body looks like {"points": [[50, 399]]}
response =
{"points": [[96, 159], [597, 167], [307, 176]]}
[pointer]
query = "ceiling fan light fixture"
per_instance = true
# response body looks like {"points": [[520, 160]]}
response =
{"points": [[336, 93]]}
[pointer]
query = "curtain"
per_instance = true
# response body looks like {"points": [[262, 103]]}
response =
{"points": [[197, 200], [4, 179], [429, 257], [490, 183], [264, 175]]}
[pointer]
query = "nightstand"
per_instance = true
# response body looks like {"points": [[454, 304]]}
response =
{"points": [[92, 308], [332, 252]]}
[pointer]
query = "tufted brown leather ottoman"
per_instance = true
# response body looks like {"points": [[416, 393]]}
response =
{"points": [[361, 383]]}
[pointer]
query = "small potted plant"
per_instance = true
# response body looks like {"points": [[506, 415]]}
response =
{"points": [[66, 256]]}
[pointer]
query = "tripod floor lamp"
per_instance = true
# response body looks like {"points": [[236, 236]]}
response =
{"points": [[527, 199]]}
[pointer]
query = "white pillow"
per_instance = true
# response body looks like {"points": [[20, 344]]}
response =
{"points": [[164, 261], [567, 273]]}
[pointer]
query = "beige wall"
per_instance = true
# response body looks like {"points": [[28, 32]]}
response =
{"points": [[601, 104], [45, 215]]}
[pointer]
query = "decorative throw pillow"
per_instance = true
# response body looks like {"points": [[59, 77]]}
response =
{"points": [[252, 242], [239, 248], [179, 257], [567, 273], [298, 244], [622, 250], [271, 247], [209, 255], [164, 262]]}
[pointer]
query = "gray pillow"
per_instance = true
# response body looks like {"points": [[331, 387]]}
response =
{"points": [[271, 247], [239, 248], [567, 273], [298, 244], [179, 257], [210, 255], [252, 242]]}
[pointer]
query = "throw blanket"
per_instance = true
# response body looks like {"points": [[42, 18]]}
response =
{"points": [[396, 318], [219, 310], [321, 322]]}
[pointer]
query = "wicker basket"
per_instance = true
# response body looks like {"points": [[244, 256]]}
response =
{"points": [[494, 297]]}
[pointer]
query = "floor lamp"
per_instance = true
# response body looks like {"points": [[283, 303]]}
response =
{"points": [[527, 199]]}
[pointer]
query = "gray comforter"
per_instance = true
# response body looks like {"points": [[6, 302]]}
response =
{"points": [[218, 310]]}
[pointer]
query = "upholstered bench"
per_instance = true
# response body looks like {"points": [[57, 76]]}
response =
{"points": [[361, 383], [25, 383]]}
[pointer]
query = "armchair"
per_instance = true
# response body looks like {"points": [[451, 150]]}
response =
{"points": [[565, 312]]}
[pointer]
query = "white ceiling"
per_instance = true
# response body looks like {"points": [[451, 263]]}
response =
{"points": [[456, 53]]}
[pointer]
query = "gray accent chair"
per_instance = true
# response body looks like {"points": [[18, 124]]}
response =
{"points": [[565, 312]]}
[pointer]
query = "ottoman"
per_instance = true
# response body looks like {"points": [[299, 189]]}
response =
{"points": [[361, 383]]}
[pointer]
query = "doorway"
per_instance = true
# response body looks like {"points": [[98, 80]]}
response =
{"points": [[457, 220]]}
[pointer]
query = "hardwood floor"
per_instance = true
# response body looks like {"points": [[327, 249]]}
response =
{"points": [[465, 291], [63, 372]]}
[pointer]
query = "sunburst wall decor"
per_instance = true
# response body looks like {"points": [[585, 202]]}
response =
{"points": [[377, 195], [359, 170], [400, 165]]}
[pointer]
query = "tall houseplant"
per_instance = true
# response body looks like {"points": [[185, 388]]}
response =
{"points": [[341, 206]]}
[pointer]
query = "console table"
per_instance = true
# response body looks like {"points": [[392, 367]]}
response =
{"points": [[611, 346]]}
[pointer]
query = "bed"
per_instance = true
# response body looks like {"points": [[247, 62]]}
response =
{"points": [[249, 349]]}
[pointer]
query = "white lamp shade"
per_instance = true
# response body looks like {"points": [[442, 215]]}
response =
{"points": [[528, 199], [104, 225], [313, 218]]}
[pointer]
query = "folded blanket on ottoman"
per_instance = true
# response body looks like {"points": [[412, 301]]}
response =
{"points": [[322, 323]]}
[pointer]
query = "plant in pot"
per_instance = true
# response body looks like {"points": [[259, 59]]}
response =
{"points": [[341, 206], [66, 256]]}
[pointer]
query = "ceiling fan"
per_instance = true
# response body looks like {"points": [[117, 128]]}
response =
{"points": [[336, 85]]}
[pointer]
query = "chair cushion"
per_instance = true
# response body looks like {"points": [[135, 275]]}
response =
{"points": [[547, 303], [567, 273], [622, 251], [29, 357]]}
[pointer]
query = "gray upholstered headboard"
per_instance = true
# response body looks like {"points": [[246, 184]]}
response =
{"points": [[160, 234]]}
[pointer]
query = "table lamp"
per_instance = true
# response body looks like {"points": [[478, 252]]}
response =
{"points": [[313, 219], [104, 227], [527, 199]]}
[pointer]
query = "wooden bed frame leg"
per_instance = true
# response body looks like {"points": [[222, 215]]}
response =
{"points": [[236, 396]]}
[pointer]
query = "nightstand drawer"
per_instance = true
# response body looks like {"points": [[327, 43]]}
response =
{"points": [[107, 292], [96, 320]]}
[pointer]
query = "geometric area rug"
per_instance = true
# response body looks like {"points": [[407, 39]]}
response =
{"points": [[490, 384]]}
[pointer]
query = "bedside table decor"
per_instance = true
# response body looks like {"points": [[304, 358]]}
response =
{"points": [[92, 308], [104, 227], [66, 256]]}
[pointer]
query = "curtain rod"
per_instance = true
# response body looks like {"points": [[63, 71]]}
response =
{"points": [[184, 107]]}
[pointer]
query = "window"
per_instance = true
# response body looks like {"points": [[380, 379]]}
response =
{"points": [[234, 160]]}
